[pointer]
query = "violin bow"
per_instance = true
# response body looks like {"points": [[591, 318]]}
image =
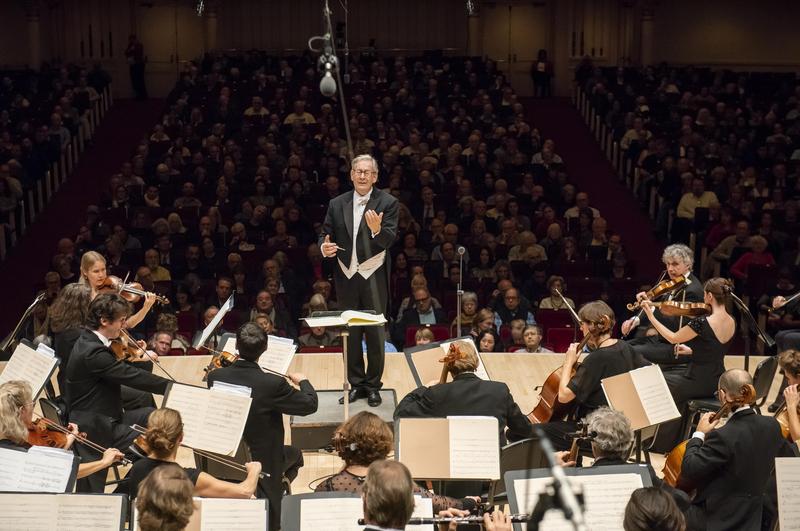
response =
{"points": [[78, 438], [147, 354], [639, 314]]}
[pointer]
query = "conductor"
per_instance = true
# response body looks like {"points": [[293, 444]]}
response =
{"points": [[359, 228]]}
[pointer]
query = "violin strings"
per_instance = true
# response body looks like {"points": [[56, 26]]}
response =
{"points": [[83, 440]]}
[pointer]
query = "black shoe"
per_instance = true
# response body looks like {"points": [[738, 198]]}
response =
{"points": [[354, 395], [374, 399]]}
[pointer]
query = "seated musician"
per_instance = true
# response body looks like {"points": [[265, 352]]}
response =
{"points": [[704, 341], [678, 260], [164, 501], [652, 509], [467, 395], [272, 398], [363, 439], [16, 419], [789, 362], [612, 442], [94, 377], [161, 442], [731, 466], [608, 357]]}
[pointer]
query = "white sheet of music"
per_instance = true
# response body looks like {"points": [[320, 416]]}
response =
{"points": [[654, 394], [349, 317], [40, 469], [423, 508], [480, 372], [217, 514], [32, 366], [60, 512], [279, 354], [605, 495], [213, 420], [209, 329], [474, 448], [331, 514], [88, 512], [787, 473]]}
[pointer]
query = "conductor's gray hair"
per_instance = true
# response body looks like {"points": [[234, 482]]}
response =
{"points": [[614, 435], [370, 158], [680, 252]]}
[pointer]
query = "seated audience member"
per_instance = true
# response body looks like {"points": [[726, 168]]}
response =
{"points": [[554, 301], [423, 313], [515, 328], [161, 442], [511, 307], [388, 496], [484, 320], [215, 339], [716, 457], [652, 509], [264, 322], [423, 336], [417, 282], [723, 252], [388, 346], [469, 305], [489, 341], [16, 419], [318, 336], [360, 441], [164, 501], [758, 255], [532, 337], [279, 316], [467, 394]]}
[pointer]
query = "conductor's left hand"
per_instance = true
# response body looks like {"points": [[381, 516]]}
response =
{"points": [[373, 221]]}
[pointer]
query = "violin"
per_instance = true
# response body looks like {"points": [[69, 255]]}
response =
{"points": [[130, 291], [42, 434], [674, 461], [683, 309], [219, 360], [782, 416], [662, 288], [549, 408]]}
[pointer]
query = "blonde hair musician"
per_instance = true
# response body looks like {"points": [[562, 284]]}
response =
{"points": [[94, 274], [164, 501]]}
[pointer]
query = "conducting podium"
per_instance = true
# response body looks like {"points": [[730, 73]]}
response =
{"points": [[342, 322]]}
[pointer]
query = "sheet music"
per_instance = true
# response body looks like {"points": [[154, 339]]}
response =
{"points": [[32, 366], [331, 514], [605, 495], [423, 508], [349, 317], [40, 469], [226, 387], [480, 372], [474, 447], [787, 472], [208, 330], [231, 515], [212, 420], [61, 512], [654, 394], [279, 354]]}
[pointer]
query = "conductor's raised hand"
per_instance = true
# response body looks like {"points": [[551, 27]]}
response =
{"points": [[374, 221], [328, 248]]}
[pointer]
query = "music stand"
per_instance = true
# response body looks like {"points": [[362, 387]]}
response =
{"points": [[344, 332], [753, 326]]}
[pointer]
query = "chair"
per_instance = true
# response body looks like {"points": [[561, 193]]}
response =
{"points": [[505, 334], [187, 323], [560, 338], [548, 319], [176, 352], [521, 455]]}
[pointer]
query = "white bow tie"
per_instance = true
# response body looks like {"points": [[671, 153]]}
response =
{"points": [[363, 201]]}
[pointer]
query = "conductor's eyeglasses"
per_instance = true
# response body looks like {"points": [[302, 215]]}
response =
{"points": [[362, 173]]}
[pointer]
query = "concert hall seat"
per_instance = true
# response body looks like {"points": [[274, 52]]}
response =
{"points": [[553, 319], [560, 338], [319, 350], [441, 332], [187, 323], [176, 352]]}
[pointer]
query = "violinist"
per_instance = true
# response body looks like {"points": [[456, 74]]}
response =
{"points": [[94, 377], [704, 341], [789, 362], [16, 423], [94, 275], [161, 442], [467, 394], [678, 260], [732, 465], [608, 357], [272, 398]]}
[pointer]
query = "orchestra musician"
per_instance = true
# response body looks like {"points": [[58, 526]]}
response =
{"points": [[16, 419], [359, 228], [678, 260], [652, 509], [607, 357], [732, 465], [164, 500], [161, 442], [789, 362], [94, 377], [704, 341], [363, 439], [467, 394], [272, 398]]}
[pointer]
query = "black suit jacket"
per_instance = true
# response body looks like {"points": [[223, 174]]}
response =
{"points": [[93, 379], [732, 469], [467, 395], [411, 317]]}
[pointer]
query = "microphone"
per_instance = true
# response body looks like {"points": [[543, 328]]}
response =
{"points": [[328, 63], [461, 250], [568, 502]]}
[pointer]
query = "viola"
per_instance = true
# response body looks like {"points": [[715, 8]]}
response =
{"points": [[549, 408], [683, 309], [219, 360], [41, 433], [130, 291], [662, 288], [782, 416], [454, 354], [674, 461]]}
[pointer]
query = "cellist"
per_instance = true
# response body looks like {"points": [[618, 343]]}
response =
{"points": [[608, 357]]}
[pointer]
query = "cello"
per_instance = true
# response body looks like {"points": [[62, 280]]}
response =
{"points": [[549, 408], [674, 461]]}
